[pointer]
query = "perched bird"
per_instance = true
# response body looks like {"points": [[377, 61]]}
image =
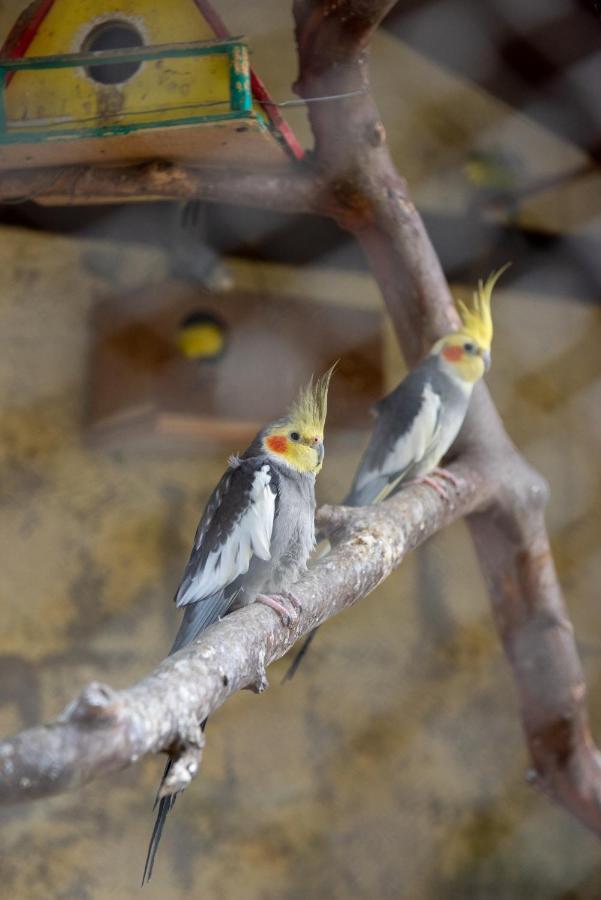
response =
{"points": [[255, 535], [418, 421]]}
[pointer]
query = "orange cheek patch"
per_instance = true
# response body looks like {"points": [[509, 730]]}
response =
{"points": [[277, 443], [453, 354]]}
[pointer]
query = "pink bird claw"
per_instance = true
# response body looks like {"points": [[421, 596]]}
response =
{"points": [[434, 484], [446, 476], [433, 480], [286, 615], [293, 599]]}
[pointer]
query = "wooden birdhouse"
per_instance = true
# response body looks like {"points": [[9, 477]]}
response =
{"points": [[88, 81], [170, 365]]}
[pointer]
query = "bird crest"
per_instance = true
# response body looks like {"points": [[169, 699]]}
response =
{"points": [[310, 408], [476, 317]]}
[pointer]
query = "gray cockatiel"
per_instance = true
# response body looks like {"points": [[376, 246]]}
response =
{"points": [[255, 535], [418, 422]]}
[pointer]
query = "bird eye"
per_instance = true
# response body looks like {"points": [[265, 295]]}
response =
{"points": [[469, 347], [294, 436]]}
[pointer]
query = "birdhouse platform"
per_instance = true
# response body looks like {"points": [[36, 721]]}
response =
{"points": [[99, 81]]}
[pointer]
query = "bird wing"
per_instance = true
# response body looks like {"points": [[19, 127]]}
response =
{"points": [[407, 427], [237, 524]]}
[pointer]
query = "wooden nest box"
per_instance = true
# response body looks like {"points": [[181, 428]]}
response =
{"points": [[172, 366], [89, 81]]}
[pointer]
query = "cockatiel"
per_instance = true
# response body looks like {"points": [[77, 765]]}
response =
{"points": [[256, 533], [417, 423]]}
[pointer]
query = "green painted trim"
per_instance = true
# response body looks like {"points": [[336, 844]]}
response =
{"points": [[112, 57], [37, 137], [240, 91], [264, 121]]}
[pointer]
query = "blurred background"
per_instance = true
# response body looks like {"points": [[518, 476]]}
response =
{"points": [[393, 765]]}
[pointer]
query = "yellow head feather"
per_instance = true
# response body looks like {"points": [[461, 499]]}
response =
{"points": [[477, 318], [310, 408], [298, 438]]}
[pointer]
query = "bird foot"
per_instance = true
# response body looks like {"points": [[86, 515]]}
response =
{"points": [[293, 599], [275, 602], [431, 482], [446, 476]]}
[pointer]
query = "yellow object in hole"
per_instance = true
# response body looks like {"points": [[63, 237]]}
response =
{"points": [[201, 336]]}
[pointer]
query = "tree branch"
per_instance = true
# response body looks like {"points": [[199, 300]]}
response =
{"points": [[353, 180], [288, 190], [104, 730], [509, 534]]}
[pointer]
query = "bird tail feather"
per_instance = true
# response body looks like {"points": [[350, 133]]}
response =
{"points": [[165, 805], [374, 491], [299, 655], [197, 617]]}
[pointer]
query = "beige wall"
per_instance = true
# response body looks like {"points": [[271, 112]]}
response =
{"points": [[393, 765]]}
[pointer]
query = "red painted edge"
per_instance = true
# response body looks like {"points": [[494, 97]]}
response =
{"points": [[259, 90], [275, 117], [24, 30]]}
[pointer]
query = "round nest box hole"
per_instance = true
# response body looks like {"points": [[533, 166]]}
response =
{"points": [[113, 35]]}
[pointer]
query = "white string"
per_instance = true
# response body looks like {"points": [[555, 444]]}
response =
{"points": [[301, 102]]}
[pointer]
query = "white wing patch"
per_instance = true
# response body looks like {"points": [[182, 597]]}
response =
{"points": [[250, 536], [413, 445]]}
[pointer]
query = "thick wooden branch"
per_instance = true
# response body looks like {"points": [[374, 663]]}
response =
{"points": [[509, 535], [293, 189], [104, 730]]}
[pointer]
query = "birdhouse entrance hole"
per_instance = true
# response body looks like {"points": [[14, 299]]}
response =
{"points": [[113, 35]]}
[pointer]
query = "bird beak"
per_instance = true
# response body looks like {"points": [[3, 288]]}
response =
{"points": [[320, 451], [485, 354]]}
